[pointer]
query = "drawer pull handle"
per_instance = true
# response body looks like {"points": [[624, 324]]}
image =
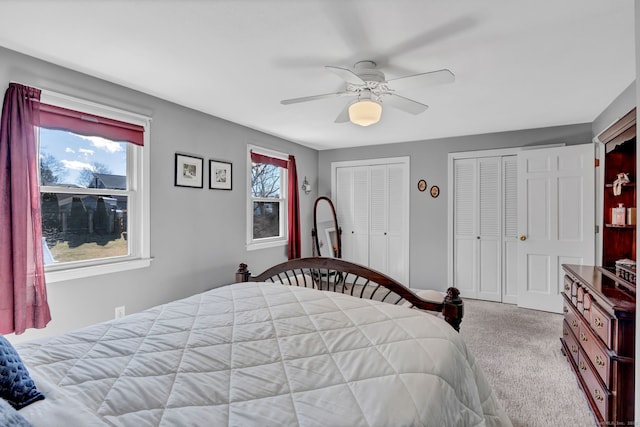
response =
{"points": [[598, 322], [566, 287], [565, 333], [583, 366], [583, 337], [565, 309], [597, 395], [599, 360], [574, 349], [574, 323]]}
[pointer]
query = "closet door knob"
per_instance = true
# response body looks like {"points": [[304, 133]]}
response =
{"points": [[523, 237]]}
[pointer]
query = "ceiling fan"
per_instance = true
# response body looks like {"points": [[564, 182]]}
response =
{"points": [[369, 86]]}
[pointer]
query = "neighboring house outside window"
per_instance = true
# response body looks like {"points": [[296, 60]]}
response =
{"points": [[267, 198], [94, 195]]}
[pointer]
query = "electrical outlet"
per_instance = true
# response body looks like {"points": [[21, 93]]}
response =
{"points": [[119, 311]]}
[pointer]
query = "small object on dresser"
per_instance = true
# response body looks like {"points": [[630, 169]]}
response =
{"points": [[631, 216], [623, 178], [618, 215]]}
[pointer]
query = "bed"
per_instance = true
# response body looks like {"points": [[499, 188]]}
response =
{"points": [[258, 353]]}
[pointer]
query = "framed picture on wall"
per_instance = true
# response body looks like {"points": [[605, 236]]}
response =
{"points": [[219, 175], [189, 171]]}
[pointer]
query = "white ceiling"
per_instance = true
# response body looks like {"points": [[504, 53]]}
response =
{"points": [[518, 64]]}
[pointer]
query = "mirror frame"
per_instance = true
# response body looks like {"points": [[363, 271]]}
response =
{"points": [[335, 224]]}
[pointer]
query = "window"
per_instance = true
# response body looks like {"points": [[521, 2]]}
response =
{"points": [[267, 201], [94, 201]]}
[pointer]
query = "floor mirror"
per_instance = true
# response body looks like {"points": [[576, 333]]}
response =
{"points": [[326, 231]]}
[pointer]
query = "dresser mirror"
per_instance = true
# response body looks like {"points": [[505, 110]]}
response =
{"points": [[326, 231]]}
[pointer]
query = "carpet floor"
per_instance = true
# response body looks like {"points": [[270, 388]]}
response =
{"points": [[519, 351]]}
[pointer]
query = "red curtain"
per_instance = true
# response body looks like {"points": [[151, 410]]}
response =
{"points": [[293, 211], [293, 206], [54, 117], [23, 295]]}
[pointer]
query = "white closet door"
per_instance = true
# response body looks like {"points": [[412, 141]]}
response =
{"points": [[378, 255], [373, 207], [361, 203], [397, 229], [489, 239], [344, 209], [464, 227], [510, 229]]}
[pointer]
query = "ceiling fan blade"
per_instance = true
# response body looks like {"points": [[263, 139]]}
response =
{"points": [[312, 98], [346, 75], [343, 117], [405, 104], [423, 79]]}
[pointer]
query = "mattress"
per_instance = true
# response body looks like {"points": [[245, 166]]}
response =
{"points": [[258, 354]]}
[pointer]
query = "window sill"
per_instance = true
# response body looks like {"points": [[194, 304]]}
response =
{"points": [[265, 245], [95, 270]]}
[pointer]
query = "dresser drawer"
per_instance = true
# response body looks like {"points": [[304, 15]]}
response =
{"points": [[568, 285], [595, 353], [570, 341], [599, 395], [571, 317], [601, 322], [586, 306], [580, 299]]}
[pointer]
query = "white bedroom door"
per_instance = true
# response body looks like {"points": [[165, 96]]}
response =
{"points": [[556, 220]]}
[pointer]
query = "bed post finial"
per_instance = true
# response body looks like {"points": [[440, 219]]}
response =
{"points": [[454, 308], [243, 273]]}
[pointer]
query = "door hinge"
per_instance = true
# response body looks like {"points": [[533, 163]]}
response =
{"points": [[597, 229], [596, 162]]}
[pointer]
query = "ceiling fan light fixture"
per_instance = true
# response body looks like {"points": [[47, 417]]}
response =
{"points": [[365, 112]]}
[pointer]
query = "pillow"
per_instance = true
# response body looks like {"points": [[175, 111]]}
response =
{"points": [[16, 386], [9, 417]]}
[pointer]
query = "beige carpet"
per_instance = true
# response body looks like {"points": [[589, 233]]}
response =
{"points": [[519, 351]]}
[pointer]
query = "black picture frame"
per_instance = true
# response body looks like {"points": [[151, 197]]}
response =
{"points": [[189, 171], [220, 175]]}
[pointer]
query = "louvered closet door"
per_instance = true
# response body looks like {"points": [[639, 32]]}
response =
{"points": [[344, 209], [464, 227], [378, 236], [489, 236], [398, 256], [387, 251], [510, 229], [477, 246], [352, 187]]}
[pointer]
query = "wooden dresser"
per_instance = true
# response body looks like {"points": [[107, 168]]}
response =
{"points": [[598, 339]]}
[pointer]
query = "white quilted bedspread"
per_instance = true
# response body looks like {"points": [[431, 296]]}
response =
{"points": [[256, 354]]}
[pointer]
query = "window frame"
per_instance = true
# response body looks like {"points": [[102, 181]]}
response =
{"points": [[138, 179], [283, 200]]}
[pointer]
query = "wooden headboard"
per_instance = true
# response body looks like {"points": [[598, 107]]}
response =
{"points": [[337, 275]]}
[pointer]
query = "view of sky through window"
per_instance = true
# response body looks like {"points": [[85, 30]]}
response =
{"points": [[73, 155]]}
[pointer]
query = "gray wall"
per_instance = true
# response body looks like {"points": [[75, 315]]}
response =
{"points": [[428, 216], [617, 109], [194, 248]]}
